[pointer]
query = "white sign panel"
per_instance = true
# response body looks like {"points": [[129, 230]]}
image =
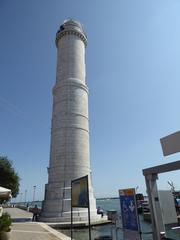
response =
{"points": [[171, 143], [167, 206]]}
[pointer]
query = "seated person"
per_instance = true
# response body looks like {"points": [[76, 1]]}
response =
{"points": [[100, 211]]}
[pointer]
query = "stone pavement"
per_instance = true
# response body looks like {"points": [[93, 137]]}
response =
{"points": [[35, 231], [22, 229], [18, 215]]}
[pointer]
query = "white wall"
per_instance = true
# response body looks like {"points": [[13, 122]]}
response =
{"points": [[167, 206]]}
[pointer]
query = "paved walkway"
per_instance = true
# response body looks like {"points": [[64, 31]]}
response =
{"points": [[24, 230], [19, 215]]}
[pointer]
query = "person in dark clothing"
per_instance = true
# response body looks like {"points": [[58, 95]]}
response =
{"points": [[35, 213], [100, 211]]}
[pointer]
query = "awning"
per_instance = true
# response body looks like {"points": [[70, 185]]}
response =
{"points": [[5, 193]]}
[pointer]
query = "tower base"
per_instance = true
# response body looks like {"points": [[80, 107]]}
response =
{"points": [[58, 209], [79, 215]]}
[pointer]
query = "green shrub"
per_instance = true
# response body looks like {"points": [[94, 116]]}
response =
{"points": [[5, 223]]}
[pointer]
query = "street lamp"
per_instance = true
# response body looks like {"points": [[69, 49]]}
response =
{"points": [[21, 197], [34, 190], [25, 195]]}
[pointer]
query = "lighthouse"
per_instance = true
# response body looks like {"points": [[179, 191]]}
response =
{"points": [[69, 150]]}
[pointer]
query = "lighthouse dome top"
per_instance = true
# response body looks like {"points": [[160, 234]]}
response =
{"points": [[71, 26], [73, 23]]}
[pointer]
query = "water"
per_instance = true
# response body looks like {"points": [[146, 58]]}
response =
{"points": [[111, 230]]}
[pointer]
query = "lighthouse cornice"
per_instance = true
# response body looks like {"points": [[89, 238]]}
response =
{"points": [[71, 27], [75, 32]]}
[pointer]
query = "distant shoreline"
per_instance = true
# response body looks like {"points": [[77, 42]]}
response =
{"points": [[105, 198], [39, 201]]}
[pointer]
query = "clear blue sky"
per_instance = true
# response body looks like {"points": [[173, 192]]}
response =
{"points": [[133, 74]]}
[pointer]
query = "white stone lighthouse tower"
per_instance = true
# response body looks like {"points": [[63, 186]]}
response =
{"points": [[69, 154]]}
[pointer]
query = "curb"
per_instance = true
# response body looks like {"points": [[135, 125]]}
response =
{"points": [[54, 232]]}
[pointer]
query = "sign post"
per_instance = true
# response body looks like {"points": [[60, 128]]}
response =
{"points": [[80, 198], [130, 219]]}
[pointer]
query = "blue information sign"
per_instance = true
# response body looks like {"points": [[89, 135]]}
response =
{"points": [[129, 214]]}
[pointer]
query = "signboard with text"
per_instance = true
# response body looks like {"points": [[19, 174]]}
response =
{"points": [[130, 220], [80, 199], [80, 192]]}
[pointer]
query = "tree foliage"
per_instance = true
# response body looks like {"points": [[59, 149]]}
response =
{"points": [[8, 177]]}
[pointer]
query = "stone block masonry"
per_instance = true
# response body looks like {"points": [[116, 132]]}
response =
{"points": [[69, 150]]}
